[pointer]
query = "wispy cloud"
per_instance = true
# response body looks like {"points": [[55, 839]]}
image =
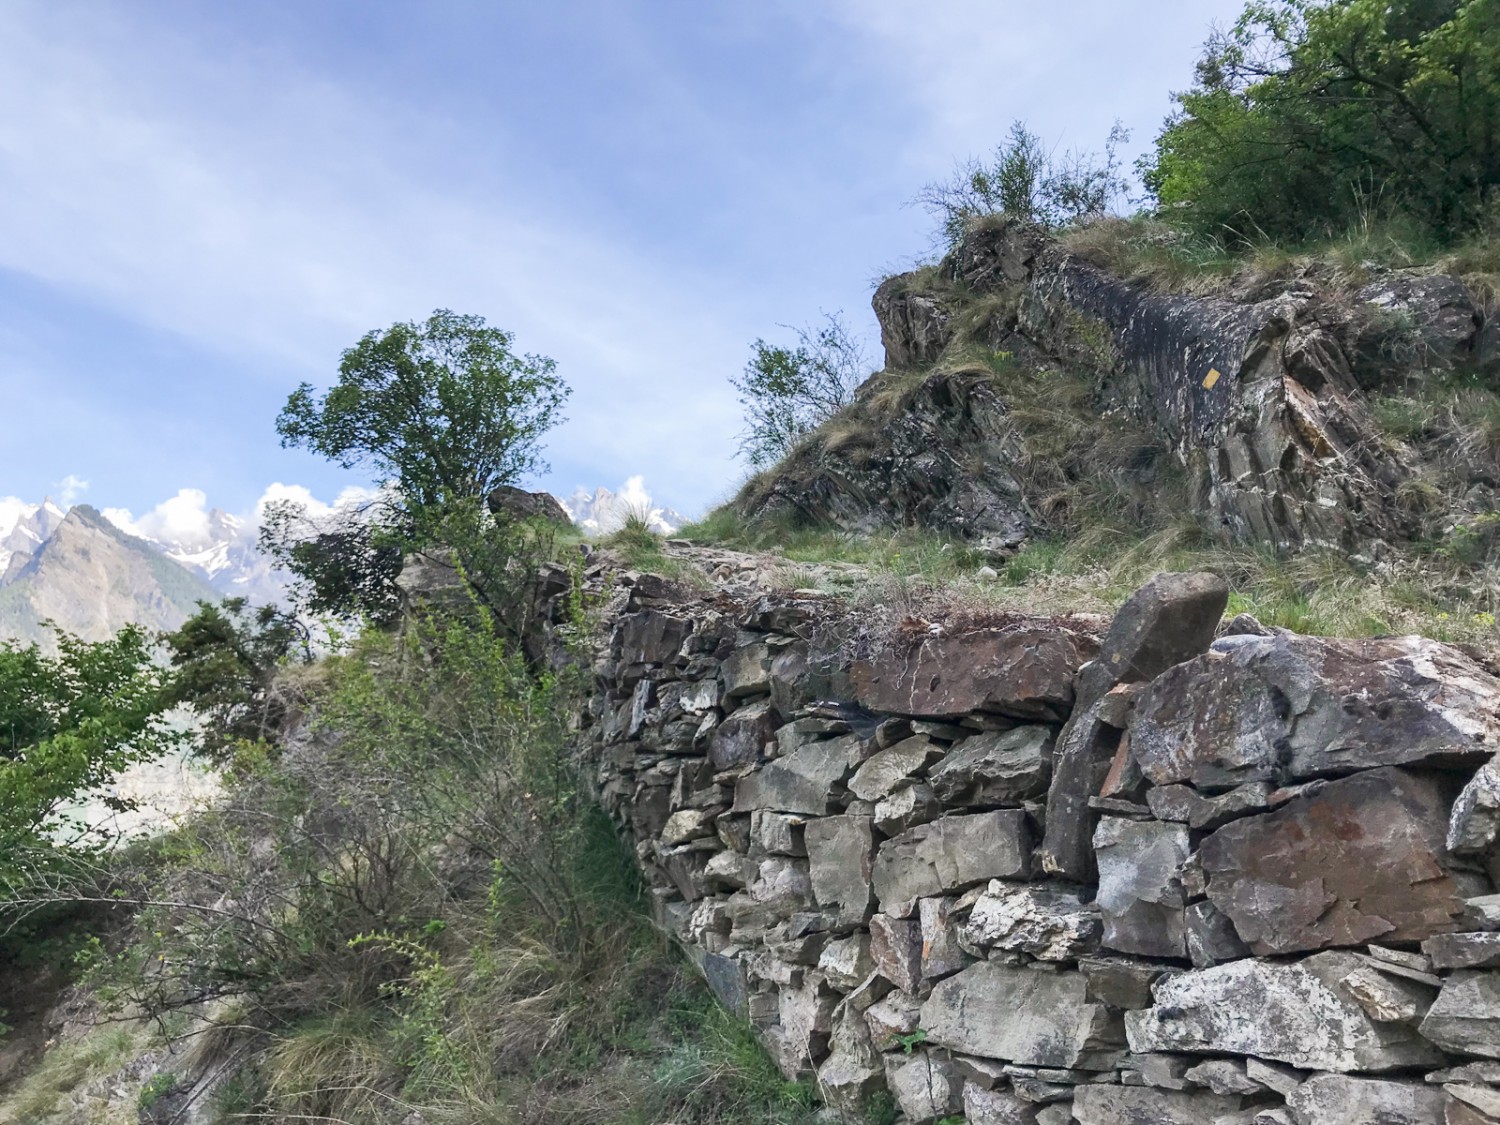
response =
{"points": [[70, 489]]}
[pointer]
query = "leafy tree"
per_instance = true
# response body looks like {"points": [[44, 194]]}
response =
{"points": [[441, 410], [1025, 180], [787, 392], [72, 723], [1308, 116], [225, 658]]}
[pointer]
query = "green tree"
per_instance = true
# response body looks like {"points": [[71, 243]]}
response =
{"points": [[73, 723], [788, 392], [225, 660], [1308, 116], [441, 410]]}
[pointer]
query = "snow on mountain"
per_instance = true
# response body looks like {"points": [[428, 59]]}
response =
{"points": [[602, 512], [23, 528]]}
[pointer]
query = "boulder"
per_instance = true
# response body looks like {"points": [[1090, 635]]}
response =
{"points": [[651, 637], [840, 851], [1475, 821], [925, 1086], [996, 1107], [741, 738], [1286, 707], [949, 855], [1003, 767], [1127, 1105], [1355, 860], [517, 503], [1023, 1016], [1049, 923], [887, 769], [1024, 670], [1338, 1099], [1170, 619], [1466, 1015], [1293, 1013], [805, 780], [1140, 894]]}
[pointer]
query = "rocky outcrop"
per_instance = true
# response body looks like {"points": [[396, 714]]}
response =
{"points": [[1260, 396], [1287, 914]]}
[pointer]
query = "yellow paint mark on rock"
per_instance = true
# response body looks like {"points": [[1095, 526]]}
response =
{"points": [[1211, 378]]}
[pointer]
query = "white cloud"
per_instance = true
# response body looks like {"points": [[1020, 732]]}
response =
{"points": [[12, 508], [185, 520], [70, 489]]}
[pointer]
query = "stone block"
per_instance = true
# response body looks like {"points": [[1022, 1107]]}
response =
{"points": [[887, 769], [951, 854], [1140, 897], [1466, 1015], [840, 853], [995, 767], [1051, 923], [741, 738], [1337, 1099]]}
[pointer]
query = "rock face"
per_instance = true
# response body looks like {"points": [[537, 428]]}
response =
{"points": [[1354, 861], [1286, 708], [992, 873], [1263, 394]]}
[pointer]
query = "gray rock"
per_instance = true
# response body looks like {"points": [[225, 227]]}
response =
{"points": [[726, 978], [949, 855], [1051, 923], [840, 851], [1357, 859], [1387, 998], [925, 1086], [846, 963], [803, 781], [1464, 951], [1140, 895], [854, 1071], [1211, 937], [1466, 1015], [1186, 805], [896, 947], [1121, 984], [1022, 1015], [651, 637], [1289, 707], [896, 1015], [1337, 1099], [1291, 1013], [1143, 1105], [996, 1107], [907, 807], [776, 833], [1475, 821], [941, 953], [1085, 750], [1170, 619], [688, 824], [884, 771], [747, 671], [1224, 1076], [741, 738], [1483, 1099], [995, 767]]}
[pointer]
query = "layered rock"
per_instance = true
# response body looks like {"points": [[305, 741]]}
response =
{"points": [[1284, 913]]}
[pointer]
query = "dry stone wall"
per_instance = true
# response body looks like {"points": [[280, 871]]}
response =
{"points": [[1043, 871]]}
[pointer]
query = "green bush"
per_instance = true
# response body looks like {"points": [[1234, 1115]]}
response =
{"points": [[1311, 117]]}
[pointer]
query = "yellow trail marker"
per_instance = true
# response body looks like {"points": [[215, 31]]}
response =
{"points": [[1211, 378]]}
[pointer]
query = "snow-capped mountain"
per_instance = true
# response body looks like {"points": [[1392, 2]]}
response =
{"points": [[23, 529], [601, 512], [218, 547]]}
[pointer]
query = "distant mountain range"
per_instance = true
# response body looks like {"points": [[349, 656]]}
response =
{"points": [[92, 573]]}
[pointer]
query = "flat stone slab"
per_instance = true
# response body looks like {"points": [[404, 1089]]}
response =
{"points": [[1337, 1099], [996, 767], [1022, 1016], [1466, 1015], [1293, 1013], [1025, 670], [804, 781], [1287, 707], [1116, 1105], [1357, 860], [951, 854]]}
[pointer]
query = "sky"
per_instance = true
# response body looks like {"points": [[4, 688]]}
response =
{"points": [[202, 205]]}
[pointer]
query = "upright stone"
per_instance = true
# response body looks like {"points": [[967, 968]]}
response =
{"points": [[1140, 894], [840, 852], [1168, 620], [1466, 1015]]}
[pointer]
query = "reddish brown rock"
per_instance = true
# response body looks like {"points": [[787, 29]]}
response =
{"points": [[1286, 707], [1023, 670], [1356, 860]]}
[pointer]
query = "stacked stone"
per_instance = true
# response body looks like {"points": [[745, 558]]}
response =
{"points": [[1180, 873]]}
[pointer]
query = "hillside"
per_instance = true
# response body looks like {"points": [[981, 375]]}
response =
{"points": [[91, 579]]}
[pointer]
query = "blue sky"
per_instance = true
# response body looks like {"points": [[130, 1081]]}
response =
{"points": [[202, 204]]}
